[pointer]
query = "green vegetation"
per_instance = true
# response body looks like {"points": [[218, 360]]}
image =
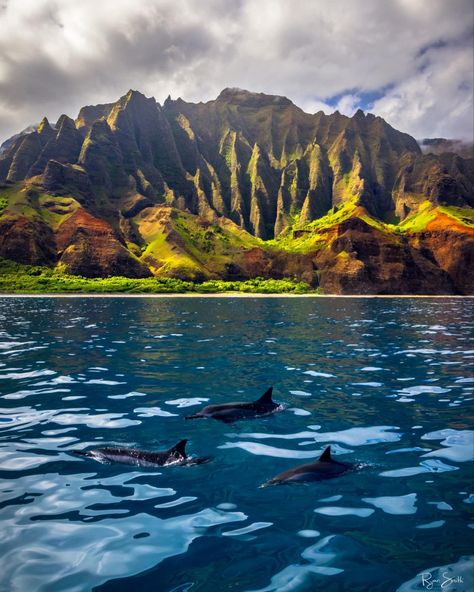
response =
{"points": [[463, 215], [336, 215], [418, 221], [313, 236], [307, 242], [163, 257], [185, 245], [18, 202], [30, 201], [27, 279]]}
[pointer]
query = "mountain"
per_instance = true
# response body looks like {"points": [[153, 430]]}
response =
{"points": [[242, 186]]}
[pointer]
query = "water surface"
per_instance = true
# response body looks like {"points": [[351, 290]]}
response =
{"points": [[387, 382]]}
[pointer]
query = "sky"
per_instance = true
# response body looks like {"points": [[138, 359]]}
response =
{"points": [[409, 61]]}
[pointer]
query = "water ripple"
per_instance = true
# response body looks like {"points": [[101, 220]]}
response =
{"points": [[342, 511], [397, 504], [136, 364], [74, 550], [296, 575], [459, 444], [351, 436]]}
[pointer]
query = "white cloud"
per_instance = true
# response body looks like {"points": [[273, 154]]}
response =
{"points": [[57, 55], [314, 105], [348, 104], [436, 101]]}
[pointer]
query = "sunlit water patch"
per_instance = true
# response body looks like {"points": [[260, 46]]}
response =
{"points": [[387, 383]]}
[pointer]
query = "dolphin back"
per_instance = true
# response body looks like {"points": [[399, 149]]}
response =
{"points": [[326, 455], [266, 397], [178, 449], [228, 412], [325, 467]]}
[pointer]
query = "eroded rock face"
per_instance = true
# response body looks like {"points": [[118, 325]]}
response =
{"points": [[135, 204], [89, 247], [62, 145], [26, 240], [451, 247], [62, 179], [257, 262], [22, 156], [364, 260], [446, 179]]}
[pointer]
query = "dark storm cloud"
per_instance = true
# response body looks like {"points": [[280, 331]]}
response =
{"points": [[408, 60]]}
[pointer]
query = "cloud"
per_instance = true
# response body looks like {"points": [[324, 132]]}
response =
{"points": [[435, 99], [414, 56]]}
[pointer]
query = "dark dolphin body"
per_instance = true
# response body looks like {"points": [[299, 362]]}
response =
{"points": [[142, 458], [229, 412], [325, 467]]}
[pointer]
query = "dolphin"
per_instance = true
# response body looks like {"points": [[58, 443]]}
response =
{"points": [[229, 412], [325, 467], [142, 458]]}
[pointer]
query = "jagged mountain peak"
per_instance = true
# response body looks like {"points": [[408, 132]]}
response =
{"points": [[65, 122], [136, 97], [255, 158], [44, 126], [360, 114], [133, 102]]}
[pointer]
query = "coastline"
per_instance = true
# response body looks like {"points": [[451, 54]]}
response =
{"points": [[230, 295]]}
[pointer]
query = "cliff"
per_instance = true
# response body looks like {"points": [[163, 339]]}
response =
{"points": [[242, 186]]}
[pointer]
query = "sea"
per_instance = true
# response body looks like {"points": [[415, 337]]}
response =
{"points": [[387, 382]]}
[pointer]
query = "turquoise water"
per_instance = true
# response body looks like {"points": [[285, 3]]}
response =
{"points": [[387, 382]]}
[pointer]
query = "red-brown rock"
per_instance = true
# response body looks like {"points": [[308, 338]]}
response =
{"points": [[88, 246], [27, 240], [451, 246], [360, 259]]}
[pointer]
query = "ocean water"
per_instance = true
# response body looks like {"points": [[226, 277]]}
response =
{"points": [[387, 382]]}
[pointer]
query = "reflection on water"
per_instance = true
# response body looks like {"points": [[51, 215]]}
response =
{"points": [[388, 383]]}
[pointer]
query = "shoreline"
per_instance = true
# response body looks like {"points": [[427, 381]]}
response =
{"points": [[229, 295]]}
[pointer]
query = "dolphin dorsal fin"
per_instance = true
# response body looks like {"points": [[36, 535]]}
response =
{"points": [[326, 455], [179, 448], [267, 396]]}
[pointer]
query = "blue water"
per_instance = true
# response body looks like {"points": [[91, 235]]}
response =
{"points": [[388, 382]]}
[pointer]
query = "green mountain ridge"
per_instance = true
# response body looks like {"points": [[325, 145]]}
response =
{"points": [[247, 185]]}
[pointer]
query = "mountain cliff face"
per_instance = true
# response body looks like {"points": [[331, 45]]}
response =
{"points": [[241, 186]]}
